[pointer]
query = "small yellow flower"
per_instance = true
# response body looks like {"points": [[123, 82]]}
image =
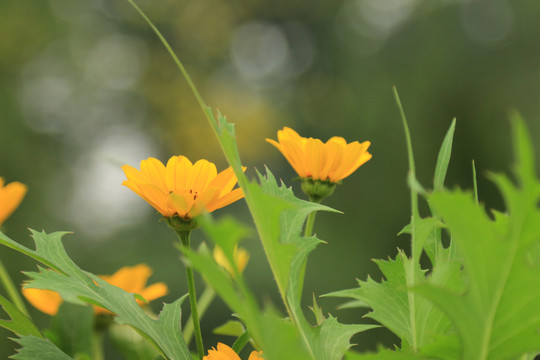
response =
{"points": [[311, 158], [11, 196], [181, 188], [131, 279], [241, 258], [224, 352]]}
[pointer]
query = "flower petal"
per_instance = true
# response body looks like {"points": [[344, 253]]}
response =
{"points": [[155, 196], [130, 278], [355, 155], [154, 291], [155, 171], [180, 203], [202, 173], [46, 301], [176, 173], [231, 197], [10, 197]]}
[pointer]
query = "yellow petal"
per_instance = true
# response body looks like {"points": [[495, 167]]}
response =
{"points": [[202, 173], [231, 197], [333, 155], [180, 203], [46, 301], [154, 291], [10, 197], [130, 278], [355, 155], [157, 197], [177, 171], [204, 201], [256, 355], [155, 171], [227, 351], [313, 156], [294, 152], [225, 180]]}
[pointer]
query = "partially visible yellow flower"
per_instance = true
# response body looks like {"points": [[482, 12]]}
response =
{"points": [[224, 352], [11, 196], [311, 158], [46, 301], [182, 188], [131, 279], [241, 258]]}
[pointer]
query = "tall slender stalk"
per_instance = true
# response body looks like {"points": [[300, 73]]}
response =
{"points": [[11, 290], [185, 240]]}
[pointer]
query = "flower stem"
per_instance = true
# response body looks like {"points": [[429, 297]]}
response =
{"points": [[12, 290], [308, 231], [185, 238], [204, 302]]}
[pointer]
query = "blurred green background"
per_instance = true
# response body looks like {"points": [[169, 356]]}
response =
{"points": [[85, 87]]}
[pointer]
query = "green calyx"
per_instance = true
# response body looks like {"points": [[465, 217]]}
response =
{"points": [[179, 224], [317, 189]]}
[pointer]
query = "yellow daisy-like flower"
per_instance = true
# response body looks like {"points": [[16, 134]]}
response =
{"points": [[129, 278], [11, 196], [311, 158], [241, 258], [181, 188], [224, 352]]}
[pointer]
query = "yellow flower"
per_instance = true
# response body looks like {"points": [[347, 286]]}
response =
{"points": [[131, 279], [46, 301], [311, 158], [241, 258], [182, 188], [11, 196], [224, 352]]}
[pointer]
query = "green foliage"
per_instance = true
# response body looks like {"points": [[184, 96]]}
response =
{"points": [[72, 330], [19, 324], [36, 348], [80, 287], [495, 317]]}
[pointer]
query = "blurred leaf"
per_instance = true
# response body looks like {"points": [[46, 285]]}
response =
{"points": [[34, 348], [20, 324], [230, 328], [131, 344], [386, 355], [72, 329], [498, 316], [80, 287], [444, 158]]}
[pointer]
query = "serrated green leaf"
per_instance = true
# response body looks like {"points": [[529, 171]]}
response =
{"points": [[19, 324], [80, 287], [35, 348], [331, 339], [417, 322], [386, 355], [498, 317]]}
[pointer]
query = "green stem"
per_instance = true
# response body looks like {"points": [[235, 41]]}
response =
{"points": [[13, 294], [241, 342], [97, 344], [308, 231], [184, 238], [204, 302]]}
